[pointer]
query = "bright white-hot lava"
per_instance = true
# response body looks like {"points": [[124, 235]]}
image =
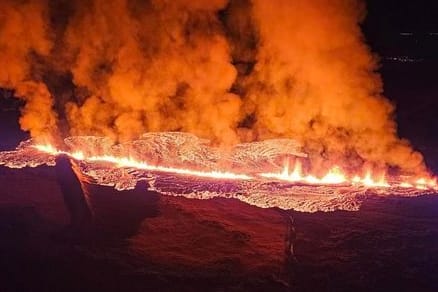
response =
{"points": [[132, 163], [334, 176], [258, 173]]}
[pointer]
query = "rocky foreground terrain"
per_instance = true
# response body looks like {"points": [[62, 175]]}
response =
{"points": [[137, 241]]}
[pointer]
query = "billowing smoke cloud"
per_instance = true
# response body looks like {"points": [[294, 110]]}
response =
{"points": [[23, 37], [315, 79], [230, 71], [152, 65]]}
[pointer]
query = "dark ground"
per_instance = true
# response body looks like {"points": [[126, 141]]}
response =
{"points": [[154, 243], [163, 243]]}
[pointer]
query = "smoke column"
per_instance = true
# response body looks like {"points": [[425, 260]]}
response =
{"points": [[24, 38], [315, 79], [230, 71]]}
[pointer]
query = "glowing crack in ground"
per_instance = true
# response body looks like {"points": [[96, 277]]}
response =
{"points": [[180, 164]]}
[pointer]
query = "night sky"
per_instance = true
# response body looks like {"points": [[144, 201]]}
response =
{"points": [[405, 36]]}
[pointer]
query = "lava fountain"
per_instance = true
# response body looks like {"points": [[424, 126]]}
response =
{"points": [[180, 164]]}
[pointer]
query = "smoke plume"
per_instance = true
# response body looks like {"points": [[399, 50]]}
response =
{"points": [[23, 37], [231, 71]]}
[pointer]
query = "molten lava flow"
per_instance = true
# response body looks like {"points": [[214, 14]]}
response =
{"points": [[180, 164], [132, 163], [335, 175]]}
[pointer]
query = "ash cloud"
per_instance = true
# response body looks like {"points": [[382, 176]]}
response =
{"points": [[231, 71]]}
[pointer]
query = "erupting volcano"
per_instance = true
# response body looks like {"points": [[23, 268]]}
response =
{"points": [[190, 134]]}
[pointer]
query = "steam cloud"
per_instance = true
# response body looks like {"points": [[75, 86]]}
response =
{"points": [[231, 71]]}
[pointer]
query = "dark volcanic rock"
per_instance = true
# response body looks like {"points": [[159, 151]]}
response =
{"points": [[139, 240]]}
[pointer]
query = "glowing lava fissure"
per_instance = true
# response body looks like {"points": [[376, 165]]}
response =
{"points": [[181, 164], [335, 175]]}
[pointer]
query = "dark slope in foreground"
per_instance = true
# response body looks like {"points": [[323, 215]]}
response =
{"points": [[214, 245]]}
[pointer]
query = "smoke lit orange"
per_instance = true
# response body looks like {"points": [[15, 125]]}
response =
{"points": [[266, 69]]}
